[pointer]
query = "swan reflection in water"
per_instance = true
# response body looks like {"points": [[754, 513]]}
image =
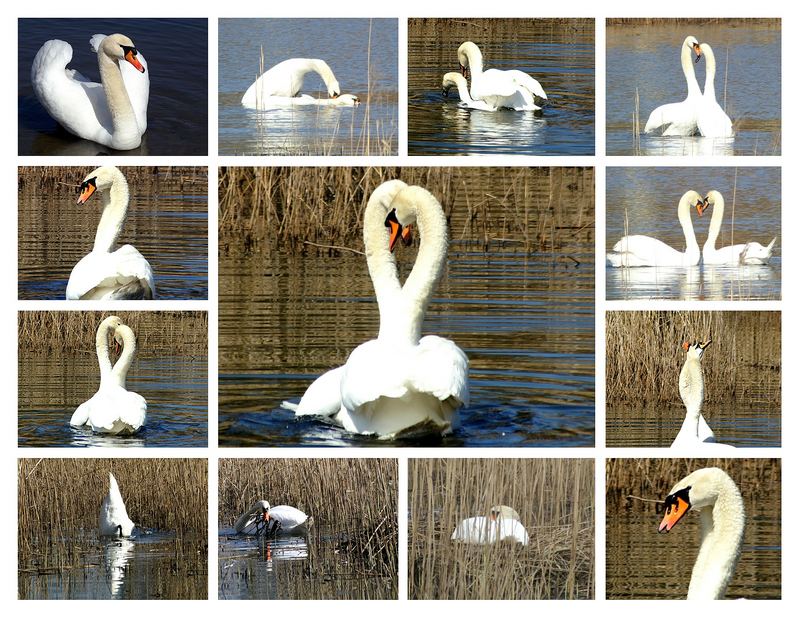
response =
{"points": [[284, 548], [686, 146], [117, 554], [502, 127]]}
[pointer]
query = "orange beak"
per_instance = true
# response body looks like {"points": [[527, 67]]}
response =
{"points": [[685, 346], [87, 189], [701, 207], [677, 507], [130, 56], [698, 52]]}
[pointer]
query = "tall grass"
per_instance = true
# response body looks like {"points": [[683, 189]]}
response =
{"points": [[554, 498], [694, 22], [644, 355], [60, 180], [485, 30]]}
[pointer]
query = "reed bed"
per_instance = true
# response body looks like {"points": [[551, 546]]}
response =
{"points": [[49, 180], [695, 22], [644, 354], [356, 498], [321, 208], [554, 498], [552, 30], [157, 332]]}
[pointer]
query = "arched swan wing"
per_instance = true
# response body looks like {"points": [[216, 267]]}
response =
{"points": [[289, 516], [322, 398], [122, 275], [441, 368]]}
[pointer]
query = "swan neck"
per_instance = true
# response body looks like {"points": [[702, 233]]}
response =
{"points": [[382, 266], [688, 71], [717, 213], [685, 217], [321, 67], [103, 359], [115, 210], [120, 370], [711, 70], [463, 91], [125, 128]]}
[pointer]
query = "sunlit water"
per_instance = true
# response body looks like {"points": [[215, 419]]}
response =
{"points": [[363, 68], [650, 196], [317, 566], [748, 86], [176, 51], [148, 565], [175, 387], [563, 65], [168, 224]]}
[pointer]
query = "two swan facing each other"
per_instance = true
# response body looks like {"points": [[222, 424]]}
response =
{"points": [[400, 383], [263, 519], [280, 86], [113, 112], [503, 524], [113, 409]]}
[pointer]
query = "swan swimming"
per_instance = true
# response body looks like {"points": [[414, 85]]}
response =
{"points": [[261, 518], [750, 253], [104, 274], [722, 519], [281, 85], [399, 383], [112, 113], [511, 89], [502, 524], [680, 118], [640, 250], [712, 121], [114, 520]]}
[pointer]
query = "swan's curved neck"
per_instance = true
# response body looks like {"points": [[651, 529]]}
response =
{"points": [[692, 393], [717, 213], [685, 217], [320, 67], [463, 92], [475, 59], [126, 130], [688, 71], [711, 69], [721, 535], [382, 266], [115, 209], [101, 345], [120, 369]]}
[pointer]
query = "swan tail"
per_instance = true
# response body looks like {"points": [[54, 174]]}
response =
{"points": [[95, 41]]}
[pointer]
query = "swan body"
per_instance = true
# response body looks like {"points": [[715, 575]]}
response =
{"points": [[113, 409], [264, 519], [749, 253], [712, 121], [281, 85], [641, 250], [712, 493], [453, 79], [104, 274], [680, 118], [502, 524], [114, 520], [511, 89], [113, 112]]}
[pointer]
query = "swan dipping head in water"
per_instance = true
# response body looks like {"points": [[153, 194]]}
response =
{"points": [[114, 520]]}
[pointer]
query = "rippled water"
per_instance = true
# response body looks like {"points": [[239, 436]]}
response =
{"points": [[176, 51], [175, 388], [364, 63], [560, 58], [167, 222], [748, 86], [148, 565], [650, 198]]}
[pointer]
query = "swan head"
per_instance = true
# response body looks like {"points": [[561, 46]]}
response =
{"points": [[711, 198], [333, 88], [121, 333], [689, 199], [705, 48], [694, 45], [119, 47], [99, 179], [697, 491], [695, 349], [397, 231], [467, 51], [262, 507], [502, 512], [450, 80], [347, 100]]}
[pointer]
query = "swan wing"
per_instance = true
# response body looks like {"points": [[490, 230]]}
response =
{"points": [[440, 368], [712, 121], [322, 398], [638, 250], [115, 410], [285, 79], [471, 530], [523, 80], [756, 253], [289, 516], [673, 119], [371, 372], [122, 275], [512, 529], [81, 415]]}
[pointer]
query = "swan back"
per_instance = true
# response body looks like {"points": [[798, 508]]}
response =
{"points": [[502, 524], [114, 520]]}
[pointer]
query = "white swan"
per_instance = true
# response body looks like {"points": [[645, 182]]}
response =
{"points": [[640, 250], [104, 274], [712, 121], [281, 85], [500, 89], [722, 518], [114, 520], [113, 409], [680, 118], [449, 80], [749, 253], [112, 113], [264, 519], [502, 524], [694, 432]]}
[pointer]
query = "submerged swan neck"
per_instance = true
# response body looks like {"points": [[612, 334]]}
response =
{"points": [[115, 210], [687, 65], [717, 213], [125, 134]]}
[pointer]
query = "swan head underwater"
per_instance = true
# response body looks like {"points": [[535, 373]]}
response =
{"points": [[120, 47], [695, 349]]}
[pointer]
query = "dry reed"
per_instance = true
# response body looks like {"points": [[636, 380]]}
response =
{"points": [[60, 180], [554, 498], [694, 22], [478, 30], [644, 355]]}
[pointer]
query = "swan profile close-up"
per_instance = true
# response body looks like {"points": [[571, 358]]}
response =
{"points": [[751, 253], [638, 250], [281, 85], [114, 520], [712, 121], [113, 112], [712, 493], [103, 274], [503, 524], [263, 519]]}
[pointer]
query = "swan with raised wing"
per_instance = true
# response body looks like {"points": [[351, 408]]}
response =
{"points": [[680, 118], [104, 274], [751, 253], [114, 520], [638, 250], [458, 81], [281, 85], [113, 112], [712, 493], [262, 518], [512, 89], [712, 121], [503, 524]]}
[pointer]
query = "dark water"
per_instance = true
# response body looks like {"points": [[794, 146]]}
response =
{"points": [[360, 69], [317, 566], [526, 322], [148, 565], [563, 65], [176, 390], [167, 222], [650, 197], [647, 58], [176, 51]]}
